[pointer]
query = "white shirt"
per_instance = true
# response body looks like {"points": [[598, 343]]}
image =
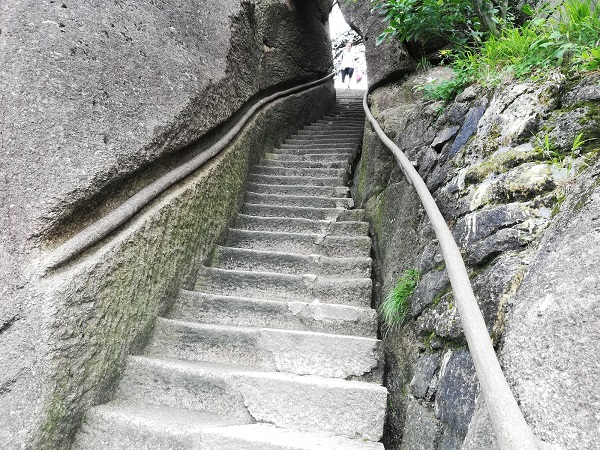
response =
{"points": [[347, 58]]}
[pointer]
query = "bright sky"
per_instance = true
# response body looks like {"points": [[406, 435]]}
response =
{"points": [[337, 24]]}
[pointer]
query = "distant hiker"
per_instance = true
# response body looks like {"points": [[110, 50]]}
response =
{"points": [[347, 63]]}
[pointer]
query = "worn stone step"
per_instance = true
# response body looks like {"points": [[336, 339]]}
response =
{"points": [[335, 125], [269, 349], [349, 129], [319, 157], [294, 315], [296, 180], [321, 191], [302, 243], [309, 145], [298, 200], [291, 212], [306, 403], [285, 153], [267, 161], [357, 133], [340, 121], [302, 212], [140, 426], [235, 258], [294, 225], [285, 287], [299, 172], [263, 436], [322, 139]]}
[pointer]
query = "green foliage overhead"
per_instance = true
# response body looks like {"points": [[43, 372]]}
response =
{"points": [[396, 307], [424, 20], [570, 43]]}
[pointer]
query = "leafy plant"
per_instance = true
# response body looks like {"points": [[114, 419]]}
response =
{"points": [[396, 307], [424, 20], [571, 43]]}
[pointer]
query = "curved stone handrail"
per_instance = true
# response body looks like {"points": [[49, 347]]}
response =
{"points": [[512, 432], [117, 217]]}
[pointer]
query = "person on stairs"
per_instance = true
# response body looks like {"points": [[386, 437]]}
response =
{"points": [[347, 63]]}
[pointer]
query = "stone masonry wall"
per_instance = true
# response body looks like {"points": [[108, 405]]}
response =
{"points": [[502, 167]]}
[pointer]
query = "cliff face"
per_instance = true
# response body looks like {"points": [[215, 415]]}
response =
{"points": [[98, 100], [519, 194]]}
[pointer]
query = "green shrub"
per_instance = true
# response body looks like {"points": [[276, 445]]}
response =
{"points": [[571, 44], [396, 307], [424, 20]]}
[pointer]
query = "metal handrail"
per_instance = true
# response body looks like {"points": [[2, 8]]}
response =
{"points": [[117, 217], [512, 432]]}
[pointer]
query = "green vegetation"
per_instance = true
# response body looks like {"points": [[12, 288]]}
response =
{"points": [[396, 307], [546, 150], [566, 39], [427, 20]]}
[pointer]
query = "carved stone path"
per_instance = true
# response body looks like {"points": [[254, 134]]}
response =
{"points": [[275, 348]]}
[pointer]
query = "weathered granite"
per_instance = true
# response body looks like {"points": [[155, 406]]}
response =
{"points": [[426, 366], [550, 351], [457, 390], [430, 287], [499, 193], [423, 429]]}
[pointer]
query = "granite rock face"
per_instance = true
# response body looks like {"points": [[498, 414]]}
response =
{"points": [[97, 101], [91, 93], [500, 170]]}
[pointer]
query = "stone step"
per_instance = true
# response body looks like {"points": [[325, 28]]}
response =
{"points": [[333, 146], [322, 140], [148, 427], [299, 172], [293, 225], [262, 436], [332, 214], [348, 129], [269, 349], [302, 243], [309, 152], [321, 191], [340, 122], [357, 133], [268, 161], [293, 315], [285, 287], [298, 200], [141, 426], [318, 157], [296, 180], [284, 262], [305, 403], [347, 123]]}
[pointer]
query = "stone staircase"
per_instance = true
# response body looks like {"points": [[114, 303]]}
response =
{"points": [[275, 348]]}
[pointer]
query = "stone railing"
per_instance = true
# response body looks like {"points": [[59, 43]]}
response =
{"points": [[124, 212], [512, 432]]}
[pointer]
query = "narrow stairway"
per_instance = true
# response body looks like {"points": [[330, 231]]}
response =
{"points": [[275, 348]]}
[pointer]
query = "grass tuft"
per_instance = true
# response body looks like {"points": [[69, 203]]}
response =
{"points": [[396, 307]]}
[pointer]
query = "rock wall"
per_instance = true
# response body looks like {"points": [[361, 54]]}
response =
{"points": [[520, 200], [99, 99]]}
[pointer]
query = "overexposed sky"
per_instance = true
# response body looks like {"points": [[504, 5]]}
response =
{"points": [[337, 24]]}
